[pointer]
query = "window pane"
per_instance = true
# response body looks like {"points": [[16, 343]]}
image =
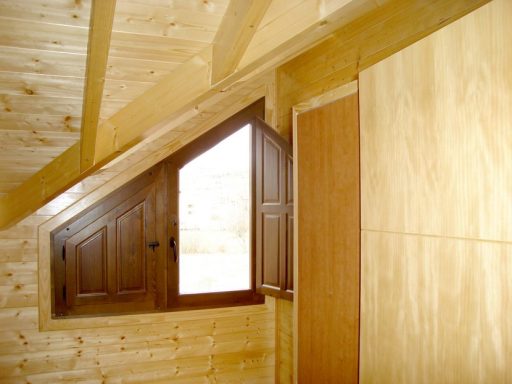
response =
{"points": [[214, 205]]}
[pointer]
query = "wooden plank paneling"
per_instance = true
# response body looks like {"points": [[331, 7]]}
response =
{"points": [[132, 124], [328, 220], [192, 21], [35, 104], [14, 83], [225, 345], [137, 70], [64, 12], [436, 160], [15, 121], [42, 36], [54, 140], [29, 60], [161, 48], [435, 310]]}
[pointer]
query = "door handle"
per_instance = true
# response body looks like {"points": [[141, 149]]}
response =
{"points": [[172, 244]]}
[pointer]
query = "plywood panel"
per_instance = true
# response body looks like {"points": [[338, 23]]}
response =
{"points": [[327, 142], [436, 132], [435, 310]]}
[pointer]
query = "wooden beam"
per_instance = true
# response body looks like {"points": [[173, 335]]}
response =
{"points": [[236, 30], [181, 91], [100, 30], [358, 45]]}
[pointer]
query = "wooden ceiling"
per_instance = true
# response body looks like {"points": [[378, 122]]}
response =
{"points": [[84, 81], [43, 51]]}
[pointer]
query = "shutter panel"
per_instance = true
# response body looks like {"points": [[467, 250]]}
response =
{"points": [[273, 212], [108, 265]]}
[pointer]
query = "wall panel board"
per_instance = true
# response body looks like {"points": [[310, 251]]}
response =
{"points": [[436, 187], [436, 132], [435, 310]]}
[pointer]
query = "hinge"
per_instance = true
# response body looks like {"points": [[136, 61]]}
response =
{"points": [[64, 252], [64, 292]]}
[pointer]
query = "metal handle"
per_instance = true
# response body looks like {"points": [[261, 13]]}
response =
{"points": [[153, 245], [172, 244]]}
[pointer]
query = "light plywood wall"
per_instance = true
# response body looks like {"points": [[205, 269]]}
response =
{"points": [[436, 195]]}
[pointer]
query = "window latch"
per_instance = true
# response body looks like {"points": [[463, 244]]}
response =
{"points": [[172, 244], [153, 245]]}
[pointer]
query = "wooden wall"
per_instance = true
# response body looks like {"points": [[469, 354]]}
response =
{"points": [[328, 246], [436, 169], [221, 346], [234, 345]]}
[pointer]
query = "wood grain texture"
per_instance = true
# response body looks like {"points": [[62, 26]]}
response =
{"points": [[435, 179], [132, 123], [328, 219], [235, 32], [383, 29], [436, 132], [435, 310], [100, 30], [284, 341], [45, 184]]}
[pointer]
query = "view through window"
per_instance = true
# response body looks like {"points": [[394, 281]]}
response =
{"points": [[214, 209]]}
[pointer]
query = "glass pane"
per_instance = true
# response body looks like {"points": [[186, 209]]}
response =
{"points": [[214, 205]]}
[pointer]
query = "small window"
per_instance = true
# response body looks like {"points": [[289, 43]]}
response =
{"points": [[215, 218], [197, 230]]}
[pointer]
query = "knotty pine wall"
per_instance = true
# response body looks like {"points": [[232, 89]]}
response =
{"points": [[229, 347], [234, 345], [436, 168]]}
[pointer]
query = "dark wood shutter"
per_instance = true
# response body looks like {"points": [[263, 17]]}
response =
{"points": [[274, 212], [108, 263]]}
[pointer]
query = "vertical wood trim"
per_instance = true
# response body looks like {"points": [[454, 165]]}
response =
{"points": [[315, 102], [328, 289], [100, 30]]}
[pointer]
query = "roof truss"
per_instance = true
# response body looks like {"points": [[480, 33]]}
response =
{"points": [[182, 90]]}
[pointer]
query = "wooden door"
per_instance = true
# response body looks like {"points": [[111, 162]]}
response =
{"points": [[328, 243]]}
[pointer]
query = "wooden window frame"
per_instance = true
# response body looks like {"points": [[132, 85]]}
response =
{"points": [[180, 158], [173, 300]]}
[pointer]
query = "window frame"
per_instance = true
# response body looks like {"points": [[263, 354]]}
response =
{"points": [[170, 300], [175, 300]]}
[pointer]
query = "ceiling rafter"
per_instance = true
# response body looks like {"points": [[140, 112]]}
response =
{"points": [[179, 92], [100, 30], [234, 35]]}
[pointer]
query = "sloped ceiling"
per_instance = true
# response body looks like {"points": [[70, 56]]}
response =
{"points": [[170, 65]]}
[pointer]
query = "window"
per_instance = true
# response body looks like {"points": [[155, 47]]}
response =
{"points": [[209, 226]]}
